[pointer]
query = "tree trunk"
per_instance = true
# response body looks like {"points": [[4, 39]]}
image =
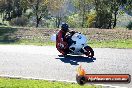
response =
{"points": [[58, 21], [83, 19], [110, 20], [97, 12], [83, 15], [37, 17], [2, 16], [115, 18], [37, 22]]}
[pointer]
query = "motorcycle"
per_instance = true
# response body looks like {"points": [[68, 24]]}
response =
{"points": [[77, 43]]}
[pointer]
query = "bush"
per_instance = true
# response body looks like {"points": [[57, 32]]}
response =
{"points": [[19, 21], [129, 26], [91, 20]]}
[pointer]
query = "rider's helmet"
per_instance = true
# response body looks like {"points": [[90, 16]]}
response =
{"points": [[65, 27]]}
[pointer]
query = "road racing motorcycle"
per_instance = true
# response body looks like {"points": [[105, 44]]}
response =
{"points": [[77, 43]]}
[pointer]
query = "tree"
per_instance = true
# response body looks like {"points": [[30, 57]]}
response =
{"points": [[103, 14], [57, 9], [107, 11], [2, 8], [114, 7], [83, 7], [39, 9], [7, 9], [126, 6], [11, 9]]}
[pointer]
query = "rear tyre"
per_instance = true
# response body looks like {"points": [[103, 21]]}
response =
{"points": [[90, 52]]}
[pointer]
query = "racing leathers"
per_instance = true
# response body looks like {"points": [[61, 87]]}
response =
{"points": [[61, 43]]}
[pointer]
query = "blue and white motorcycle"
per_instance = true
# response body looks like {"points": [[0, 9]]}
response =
{"points": [[77, 43]]}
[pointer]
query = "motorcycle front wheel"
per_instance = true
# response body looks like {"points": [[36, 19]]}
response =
{"points": [[90, 52]]}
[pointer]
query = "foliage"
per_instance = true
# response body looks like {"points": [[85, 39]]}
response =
{"points": [[74, 21], [43, 9], [103, 18], [91, 20], [11, 9], [83, 7], [57, 8], [64, 10], [126, 6], [129, 26], [39, 9], [19, 21], [2, 7], [107, 11]]}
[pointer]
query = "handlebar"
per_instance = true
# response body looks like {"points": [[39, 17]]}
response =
{"points": [[68, 37]]}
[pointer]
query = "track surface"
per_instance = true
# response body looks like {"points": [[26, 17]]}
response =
{"points": [[43, 62]]}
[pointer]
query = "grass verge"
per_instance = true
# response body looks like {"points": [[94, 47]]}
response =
{"points": [[93, 44], [111, 44], [24, 83]]}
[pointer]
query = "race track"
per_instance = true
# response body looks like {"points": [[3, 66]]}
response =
{"points": [[43, 62]]}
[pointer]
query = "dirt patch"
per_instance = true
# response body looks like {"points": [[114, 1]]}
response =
{"points": [[107, 34], [91, 33]]}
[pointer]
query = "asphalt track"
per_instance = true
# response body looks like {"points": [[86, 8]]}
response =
{"points": [[45, 62]]}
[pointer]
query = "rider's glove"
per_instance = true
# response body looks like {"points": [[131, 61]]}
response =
{"points": [[72, 32], [63, 45]]}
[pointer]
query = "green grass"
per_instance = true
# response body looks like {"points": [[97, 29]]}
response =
{"points": [[111, 44], [93, 44], [24, 83], [35, 42]]}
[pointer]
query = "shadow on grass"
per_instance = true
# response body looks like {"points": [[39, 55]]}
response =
{"points": [[74, 60], [6, 35]]}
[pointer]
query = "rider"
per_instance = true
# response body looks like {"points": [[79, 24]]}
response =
{"points": [[63, 41], [61, 44]]}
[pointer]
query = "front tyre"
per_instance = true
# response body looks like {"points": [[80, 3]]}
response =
{"points": [[89, 51]]}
